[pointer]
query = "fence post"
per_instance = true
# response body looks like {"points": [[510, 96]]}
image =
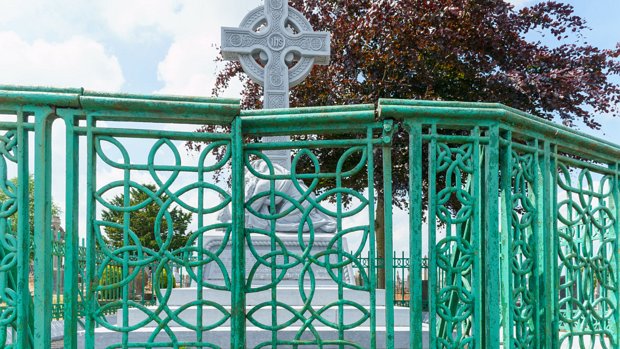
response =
{"points": [[491, 241], [432, 239], [90, 298], [506, 240], [547, 248], [70, 299], [415, 233], [238, 339], [23, 236], [43, 270], [388, 129], [616, 252]]}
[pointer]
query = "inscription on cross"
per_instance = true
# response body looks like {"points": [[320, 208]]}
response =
{"points": [[277, 48]]}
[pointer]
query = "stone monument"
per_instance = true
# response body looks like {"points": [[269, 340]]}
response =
{"points": [[277, 48]]}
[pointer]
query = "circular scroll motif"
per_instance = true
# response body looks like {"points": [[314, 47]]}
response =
{"points": [[316, 44], [236, 40], [276, 41], [276, 4], [277, 80]]}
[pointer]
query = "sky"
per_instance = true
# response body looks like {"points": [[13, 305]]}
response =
{"points": [[163, 46]]}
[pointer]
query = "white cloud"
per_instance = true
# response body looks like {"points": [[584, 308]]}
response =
{"points": [[193, 25], [139, 19], [519, 2], [190, 68], [76, 62], [177, 18], [41, 19]]}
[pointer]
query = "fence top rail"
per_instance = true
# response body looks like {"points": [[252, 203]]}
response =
{"points": [[527, 124], [334, 119], [78, 98]]}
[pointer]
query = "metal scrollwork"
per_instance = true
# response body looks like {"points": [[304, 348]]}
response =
{"points": [[134, 259], [311, 257], [8, 240], [587, 270], [455, 254], [523, 250]]}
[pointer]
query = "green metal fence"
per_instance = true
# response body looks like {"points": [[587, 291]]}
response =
{"points": [[142, 290], [528, 214], [521, 226], [139, 291], [400, 277]]}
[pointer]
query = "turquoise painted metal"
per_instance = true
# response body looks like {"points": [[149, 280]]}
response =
{"points": [[539, 269], [521, 229]]}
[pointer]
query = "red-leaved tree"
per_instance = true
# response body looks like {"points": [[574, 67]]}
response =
{"points": [[460, 50]]}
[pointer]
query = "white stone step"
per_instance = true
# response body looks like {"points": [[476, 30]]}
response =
{"points": [[255, 336], [290, 295], [212, 315]]}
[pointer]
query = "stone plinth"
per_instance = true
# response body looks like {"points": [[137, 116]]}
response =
{"points": [[323, 295], [286, 294], [256, 336], [291, 251]]}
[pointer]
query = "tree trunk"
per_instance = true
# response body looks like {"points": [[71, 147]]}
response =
{"points": [[380, 240]]}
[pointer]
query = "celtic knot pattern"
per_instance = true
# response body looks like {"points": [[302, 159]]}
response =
{"points": [[151, 260], [307, 260], [522, 250], [587, 268], [8, 240], [455, 254]]}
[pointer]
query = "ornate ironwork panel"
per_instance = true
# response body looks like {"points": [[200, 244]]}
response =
{"points": [[587, 265], [300, 243], [454, 200], [15, 225], [520, 193], [176, 185]]}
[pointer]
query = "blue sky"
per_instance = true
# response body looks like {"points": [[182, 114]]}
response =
{"points": [[163, 46], [140, 46]]}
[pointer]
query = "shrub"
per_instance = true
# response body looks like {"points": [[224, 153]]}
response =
{"points": [[111, 275], [163, 280]]}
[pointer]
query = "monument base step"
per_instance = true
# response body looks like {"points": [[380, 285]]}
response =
{"points": [[255, 336], [177, 316], [261, 246], [291, 295]]}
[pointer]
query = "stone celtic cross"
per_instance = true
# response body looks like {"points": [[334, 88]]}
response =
{"points": [[277, 48]]}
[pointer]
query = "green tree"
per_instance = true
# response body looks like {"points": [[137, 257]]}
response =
{"points": [[12, 187], [142, 221], [460, 50]]}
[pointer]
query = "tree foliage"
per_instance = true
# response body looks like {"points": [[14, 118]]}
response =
{"points": [[142, 221], [12, 188], [462, 50], [459, 50]]}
